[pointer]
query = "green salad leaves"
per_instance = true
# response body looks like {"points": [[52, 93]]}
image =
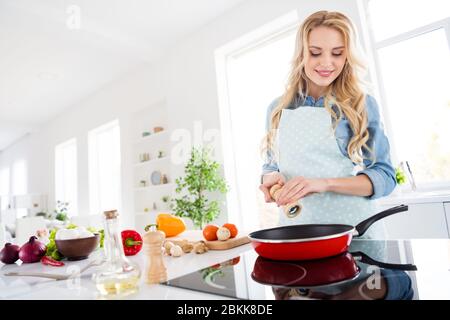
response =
{"points": [[52, 250]]}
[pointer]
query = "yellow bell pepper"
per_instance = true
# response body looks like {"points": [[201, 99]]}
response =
{"points": [[168, 223]]}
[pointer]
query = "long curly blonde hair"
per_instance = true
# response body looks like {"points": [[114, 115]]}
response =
{"points": [[346, 92]]}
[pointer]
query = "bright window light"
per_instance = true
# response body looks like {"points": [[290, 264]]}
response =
{"points": [[419, 104], [255, 77], [4, 188], [66, 175], [19, 183], [390, 18], [104, 168], [414, 68]]}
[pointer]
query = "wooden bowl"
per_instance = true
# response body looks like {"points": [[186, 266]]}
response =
{"points": [[77, 249]]}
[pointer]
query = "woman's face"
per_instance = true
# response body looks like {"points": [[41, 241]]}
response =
{"points": [[325, 57]]}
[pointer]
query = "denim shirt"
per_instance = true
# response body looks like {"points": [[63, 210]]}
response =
{"points": [[381, 172]]}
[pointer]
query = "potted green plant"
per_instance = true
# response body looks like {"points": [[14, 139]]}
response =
{"points": [[400, 176], [400, 179], [201, 177], [61, 212]]}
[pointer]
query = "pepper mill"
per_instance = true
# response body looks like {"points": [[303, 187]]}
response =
{"points": [[291, 209], [156, 271]]}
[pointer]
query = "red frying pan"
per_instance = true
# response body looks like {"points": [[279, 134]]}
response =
{"points": [[312, 241], [307, 274]]}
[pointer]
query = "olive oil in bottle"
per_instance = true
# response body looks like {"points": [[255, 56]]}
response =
{"points": [[119, 276]]}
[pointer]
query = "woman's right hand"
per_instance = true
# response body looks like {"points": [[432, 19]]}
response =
{"points": [[269, 180]]}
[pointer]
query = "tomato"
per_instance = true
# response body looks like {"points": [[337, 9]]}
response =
{"points": [[232, 228], [235, 260], [209, 232]]}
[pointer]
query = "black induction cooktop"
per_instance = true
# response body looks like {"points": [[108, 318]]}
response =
{"points": [[370, 270]]}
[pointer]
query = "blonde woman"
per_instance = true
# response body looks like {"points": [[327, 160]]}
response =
{"points": [[325, 143]]}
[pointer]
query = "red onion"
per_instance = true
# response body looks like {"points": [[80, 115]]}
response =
{"points": [[10, 253], [32, 251]]}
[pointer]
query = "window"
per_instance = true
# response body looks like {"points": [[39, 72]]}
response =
{"points": [[4, 189], [19, 183], [254, 73], [104, 168], [390, 18], [413, 57], [66, 175]]}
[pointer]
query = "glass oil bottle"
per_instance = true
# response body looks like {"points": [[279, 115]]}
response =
{"points": [[118, 277]]}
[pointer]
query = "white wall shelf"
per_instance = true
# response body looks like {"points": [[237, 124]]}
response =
{"points": [[153, 136], [153, 186], [151, 195], [151, 161]]}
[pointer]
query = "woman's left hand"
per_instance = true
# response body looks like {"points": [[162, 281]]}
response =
{"points": [[300, 187]]}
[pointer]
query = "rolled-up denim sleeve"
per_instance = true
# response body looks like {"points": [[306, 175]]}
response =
{"points": [[379, 170], [270, 163]]}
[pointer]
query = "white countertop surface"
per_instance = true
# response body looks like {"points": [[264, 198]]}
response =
{"points": [[430, 281], [413, 197], [83, 287]]}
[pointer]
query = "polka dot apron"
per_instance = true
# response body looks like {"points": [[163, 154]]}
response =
{"points": [[308, 148]]}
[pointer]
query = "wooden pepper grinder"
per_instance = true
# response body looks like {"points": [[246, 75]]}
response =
{"points": [[156, 271], [291, 209]]}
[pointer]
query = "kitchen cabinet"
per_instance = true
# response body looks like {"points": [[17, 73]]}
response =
{"points": [[422, 220]]}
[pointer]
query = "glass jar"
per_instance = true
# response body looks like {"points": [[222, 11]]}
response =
{"points": [[118, 276]]}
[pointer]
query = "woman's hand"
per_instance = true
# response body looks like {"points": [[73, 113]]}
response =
{"points": [[300, 187], [269, 180]]}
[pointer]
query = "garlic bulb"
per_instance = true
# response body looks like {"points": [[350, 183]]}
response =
{"points": [[176, 251], [167, 246]]}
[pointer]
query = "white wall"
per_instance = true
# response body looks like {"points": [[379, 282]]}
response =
{"points": [[192, 88], [116, 101], [186, 78]]}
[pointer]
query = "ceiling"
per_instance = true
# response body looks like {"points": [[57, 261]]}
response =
{"points": [[50, 58]]}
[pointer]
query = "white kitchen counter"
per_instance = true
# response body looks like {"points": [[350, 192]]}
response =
{"points": [[84, 288], [430, 281], [414, 197]]}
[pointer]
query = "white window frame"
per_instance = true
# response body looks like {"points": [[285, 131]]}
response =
{"points": [[73, 203], [14, 186], [269, 32], [94, 186], [5, 195], [15, 183], [372, 47]]}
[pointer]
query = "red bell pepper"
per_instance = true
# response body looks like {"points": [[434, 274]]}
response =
{"points": [[49, 261], [132, 242]]}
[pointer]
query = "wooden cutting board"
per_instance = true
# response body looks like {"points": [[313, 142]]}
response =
{"points": [[196, 235], [239, 240]]}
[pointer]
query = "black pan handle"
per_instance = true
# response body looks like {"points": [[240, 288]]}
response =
{"points": [[362, 227], [368, 260]]}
